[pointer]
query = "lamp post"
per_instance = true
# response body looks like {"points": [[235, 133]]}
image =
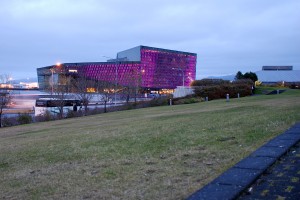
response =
{"points": [[116, 84], [52, 82], [52, 79], [182, 74]]}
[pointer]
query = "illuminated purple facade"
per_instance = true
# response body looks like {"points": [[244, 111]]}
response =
{"points": [[167, 69], [153, 68]]}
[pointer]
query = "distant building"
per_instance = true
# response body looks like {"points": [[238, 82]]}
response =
{"points": [[276, 74], [156, 69], [277, 68], [28, 85]]}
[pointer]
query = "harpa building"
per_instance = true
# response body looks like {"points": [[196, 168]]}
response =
{"points": [[154, 69]]}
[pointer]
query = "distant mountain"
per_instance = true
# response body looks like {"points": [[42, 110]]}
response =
{"points": [[226, 77], [25, 80]]}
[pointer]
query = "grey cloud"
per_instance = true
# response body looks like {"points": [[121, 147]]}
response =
{"points": [[227, 35]]}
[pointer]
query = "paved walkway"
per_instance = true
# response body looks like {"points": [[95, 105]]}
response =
{"points": [[271, 172], [281, 181]]}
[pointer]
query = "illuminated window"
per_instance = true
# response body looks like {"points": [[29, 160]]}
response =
{"points": [[73, 70]]}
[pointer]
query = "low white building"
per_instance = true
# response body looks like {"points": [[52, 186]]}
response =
{"points": [[275, 74]]}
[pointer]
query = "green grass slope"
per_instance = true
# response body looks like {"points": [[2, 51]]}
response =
{"points": [[153, 153]]}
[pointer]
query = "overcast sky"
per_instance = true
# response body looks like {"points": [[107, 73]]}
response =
{"points": [[227, 36]]}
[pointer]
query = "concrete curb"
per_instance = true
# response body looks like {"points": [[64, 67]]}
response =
{"points": [[238, 178]]}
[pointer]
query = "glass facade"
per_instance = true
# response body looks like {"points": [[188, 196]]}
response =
{"points": [[166, 68], [156, 69]]}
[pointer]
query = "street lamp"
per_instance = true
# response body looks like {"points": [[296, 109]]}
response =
{"points": [[189, 77], [182, 74], [52, 80], [52, 70]]}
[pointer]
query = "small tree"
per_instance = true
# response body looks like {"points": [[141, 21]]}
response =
{"points": [[239, 75], [134, 82], [61, 91], [5, 95], [251, 75], [105, 89], [85, 90], [24, 119], [248, 75]]}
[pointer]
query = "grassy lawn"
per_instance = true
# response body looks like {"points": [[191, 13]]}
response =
{"points": [[153, 153], [267, 89]]}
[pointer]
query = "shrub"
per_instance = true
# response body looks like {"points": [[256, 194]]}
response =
{"points": [[9, 121], [244, 81], [220, 91], [94, 111], [45, 116], [159, 101], [191, 100], [209, 82], [24, 119], [186, 100], [71, 114], [295, 85]]}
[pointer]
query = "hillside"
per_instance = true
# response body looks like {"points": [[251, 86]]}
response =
{"points": [[153, 153]]}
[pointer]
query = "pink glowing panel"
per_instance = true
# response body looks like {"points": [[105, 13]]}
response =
{"points": [[167, 69]]}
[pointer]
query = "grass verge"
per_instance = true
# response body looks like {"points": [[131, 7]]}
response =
{"points": [[153, 153], [267, 89]]}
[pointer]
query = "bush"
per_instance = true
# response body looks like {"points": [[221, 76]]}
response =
{"points": [[243, 81], [45, 116], [191, 100], [161, 101], [71, 114], [209, 82], [295, 85], [186, 100], [24, 119], [9, 121], [218, 88], [94, 111], [212, 92], [220, 91]]}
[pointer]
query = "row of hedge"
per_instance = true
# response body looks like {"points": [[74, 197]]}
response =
{"points": [[217, 88], [209, 82], [220, 91]]}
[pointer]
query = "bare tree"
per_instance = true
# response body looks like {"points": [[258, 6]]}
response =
{"points": [[85, 90], [60, 91], [134, 82], [105, 89], [5, 94]]}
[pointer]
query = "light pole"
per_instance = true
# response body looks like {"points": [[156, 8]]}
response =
{"points": [[52, 79], [116, 84], [52, 82], [182, 74]]}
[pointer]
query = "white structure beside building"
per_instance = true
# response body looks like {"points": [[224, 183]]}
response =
{"points": [[182, 91]]}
